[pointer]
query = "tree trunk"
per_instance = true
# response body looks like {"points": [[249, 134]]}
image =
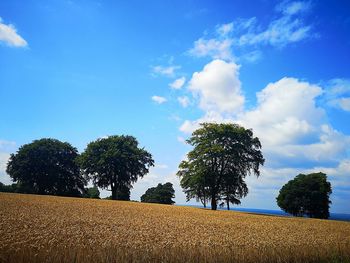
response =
{"points": [[114, 192], [213, 203], [228, 203]]}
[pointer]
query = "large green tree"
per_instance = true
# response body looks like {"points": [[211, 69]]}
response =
{"points": [[162, 194], [223, 155], [47, 166], [306, 195], [115, 162]]}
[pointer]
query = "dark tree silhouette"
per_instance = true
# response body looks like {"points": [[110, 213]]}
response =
{"points": [[46, 166], [115, 162], [306, 195], [162, 194]]}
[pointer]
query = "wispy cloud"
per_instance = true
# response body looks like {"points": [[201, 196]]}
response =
{"points": [[289, 27], [9, 35], [159, 99], [293, 8], [178, 83], [184, 101], [338, 94], [168, 71]]}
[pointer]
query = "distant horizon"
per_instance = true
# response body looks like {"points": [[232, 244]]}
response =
{"points": [[81, 70]]}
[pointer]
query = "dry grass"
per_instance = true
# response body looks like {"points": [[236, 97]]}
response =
{"points": [[58, 229]]}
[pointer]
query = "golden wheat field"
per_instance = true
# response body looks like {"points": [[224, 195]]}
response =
{"points": [[60, 229]]}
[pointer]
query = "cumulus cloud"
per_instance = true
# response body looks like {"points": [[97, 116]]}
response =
{"points": [[290, 125], [218, 87], [159, 99], [286, 111], [178, 83], [184, 101], [9, 35]]}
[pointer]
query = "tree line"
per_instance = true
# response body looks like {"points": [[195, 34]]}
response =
{"points": [[214, 171]]}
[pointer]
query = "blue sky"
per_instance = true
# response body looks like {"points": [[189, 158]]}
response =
{"points": [[80, 70]]}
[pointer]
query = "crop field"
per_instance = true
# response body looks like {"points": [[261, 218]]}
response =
{"points": [[60, 229]]}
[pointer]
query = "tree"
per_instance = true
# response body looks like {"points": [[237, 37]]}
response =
{"points": [[162, 194], [223, 155], [8, 188], [92, 192], [306, 195], [47, 166], [116, 162], [123, 193]]}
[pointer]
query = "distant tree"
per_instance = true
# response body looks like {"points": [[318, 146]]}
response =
{"points": [[92, 192], [7, 188], [46, 166], [115, 162], [223, 155], [162, 194], [306, 195]]}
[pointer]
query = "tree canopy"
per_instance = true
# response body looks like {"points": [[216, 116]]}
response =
{"points": [[47, 166], [306, 195], [223, 155], [162, 194], [115, 162]]}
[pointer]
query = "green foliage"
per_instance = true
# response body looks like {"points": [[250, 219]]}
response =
{"points": [[15, 188], [115, 162], [306, 195], [92, 192], [162, 194], [46, 166], [222, 156], [123, 193], [8, 188]]}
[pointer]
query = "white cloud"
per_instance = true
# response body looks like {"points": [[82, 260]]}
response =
{"points": [[224, 29], [168, 71], [280, 32], [159, 99], [178, 83], [271, 181], [291, 127], [338, 94], [215, 48], [218, 87], [286, 111], [184, 101], [344, 103], [6, 147], [9, 35], [243, 34], [210, 116], [293, 8]]}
